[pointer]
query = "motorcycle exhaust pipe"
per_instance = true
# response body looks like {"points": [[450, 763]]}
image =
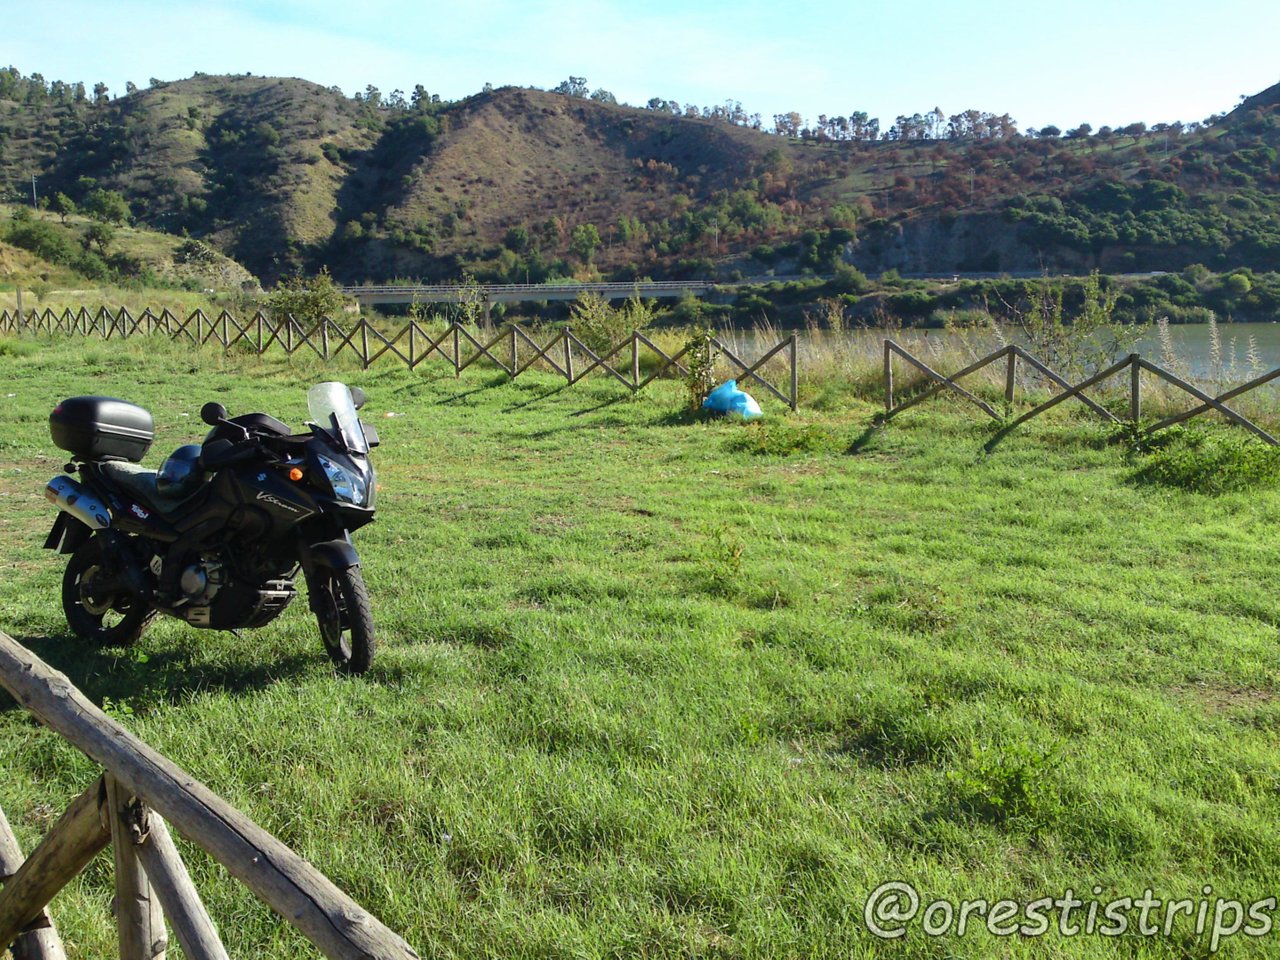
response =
{"points": [[68, 495]]}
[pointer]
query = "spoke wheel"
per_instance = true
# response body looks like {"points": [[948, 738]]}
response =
{"points": [[99, 607], [341, 605]]}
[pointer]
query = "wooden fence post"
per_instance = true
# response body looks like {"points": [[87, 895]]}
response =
{"points": [[364, 342], [635, 361], [568, 355], [79, 835], [888, 377], [139, 921], [457, 351], [41, 943], [795, 375], [1135, 389], [191, 922], [1010, 380], [514, 354]]}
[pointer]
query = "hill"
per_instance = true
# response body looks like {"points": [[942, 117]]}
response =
{"points": [[514, 184]]}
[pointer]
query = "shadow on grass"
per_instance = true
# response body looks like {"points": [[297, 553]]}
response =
{"points": [[545, 395], [872, 430], [489, 384], [621, 398], [683, 417], [101, 672]]}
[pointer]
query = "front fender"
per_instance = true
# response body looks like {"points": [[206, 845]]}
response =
{"points": [[334, 554]]}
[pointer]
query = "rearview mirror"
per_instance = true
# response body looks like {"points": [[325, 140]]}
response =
{"points": [[213, 413], [357, 397]]}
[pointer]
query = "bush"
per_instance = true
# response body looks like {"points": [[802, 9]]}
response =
{"points": [[306, 300], [601, 326]]}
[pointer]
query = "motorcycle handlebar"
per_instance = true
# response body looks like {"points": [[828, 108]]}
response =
{"points": [[220, 453]]}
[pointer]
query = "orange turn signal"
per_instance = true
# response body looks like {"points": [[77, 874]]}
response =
{"points": [[295, 474]]}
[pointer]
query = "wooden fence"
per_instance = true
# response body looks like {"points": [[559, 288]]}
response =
{"points": [[127, 808], [511, 348], [1012, 354]]}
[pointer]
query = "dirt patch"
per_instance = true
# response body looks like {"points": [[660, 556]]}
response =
{"points": [[1218, 699]]}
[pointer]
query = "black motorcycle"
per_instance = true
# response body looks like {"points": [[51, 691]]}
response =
{"points": [[217, 536]]}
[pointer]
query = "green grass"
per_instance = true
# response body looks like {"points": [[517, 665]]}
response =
{"points": [[657, 686]]}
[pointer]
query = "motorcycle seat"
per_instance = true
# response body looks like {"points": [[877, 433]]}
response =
{"points": [[140, 483]]}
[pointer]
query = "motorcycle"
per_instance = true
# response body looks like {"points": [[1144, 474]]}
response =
{"points": [[217, 536]]}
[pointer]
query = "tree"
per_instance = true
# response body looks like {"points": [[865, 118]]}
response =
{"points": [[130, 88], [63, 206], [584, 241], [1050, 132], [603, 96], [517, 239], [101, 234], [573, 87], [788, 124], [99, 93], [1134, 130], [107, 206]]}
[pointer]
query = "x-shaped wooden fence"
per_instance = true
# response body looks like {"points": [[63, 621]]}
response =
{"points": [[127, 809], [1011, 354], [513, 349]]}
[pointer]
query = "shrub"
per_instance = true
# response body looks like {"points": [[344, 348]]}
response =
{"points": [[601, 326]]}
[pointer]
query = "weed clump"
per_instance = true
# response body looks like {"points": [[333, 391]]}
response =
{"points": [[1204, 462], [1009, 783], [785, 440]]}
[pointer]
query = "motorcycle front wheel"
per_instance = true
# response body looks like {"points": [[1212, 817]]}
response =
{"points": [[99, 606], [341, 605]]}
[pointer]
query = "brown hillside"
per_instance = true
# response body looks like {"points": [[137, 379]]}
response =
{"points": [[285, 176]]}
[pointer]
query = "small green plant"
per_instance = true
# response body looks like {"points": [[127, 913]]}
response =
{"points": [[700, 360], [1012, 782]]}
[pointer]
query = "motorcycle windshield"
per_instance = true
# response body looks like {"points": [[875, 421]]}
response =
{"points": [[332, 408]]}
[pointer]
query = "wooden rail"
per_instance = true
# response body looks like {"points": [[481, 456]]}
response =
{"points": [[1013, 354], [124, 809], [512, 348]]}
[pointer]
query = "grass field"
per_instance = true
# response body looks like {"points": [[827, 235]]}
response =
{"points": [[653, 686]]}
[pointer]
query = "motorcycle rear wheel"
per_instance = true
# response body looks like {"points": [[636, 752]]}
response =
{"points": [[97, 606], [342, 611]]}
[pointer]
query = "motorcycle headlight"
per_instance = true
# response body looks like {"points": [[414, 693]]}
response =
{"points": [[346, 484]]}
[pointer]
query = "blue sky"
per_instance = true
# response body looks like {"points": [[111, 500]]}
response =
{"points": [[1042, 62]]}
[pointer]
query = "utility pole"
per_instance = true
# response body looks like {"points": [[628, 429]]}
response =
{"points": [[33, 191]]}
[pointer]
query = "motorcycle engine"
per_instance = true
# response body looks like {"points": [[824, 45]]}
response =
{"points": [[200, 581]]}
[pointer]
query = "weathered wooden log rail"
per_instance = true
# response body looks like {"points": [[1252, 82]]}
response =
{"points": [[1012, 354], [512, 348], [127, 808]]}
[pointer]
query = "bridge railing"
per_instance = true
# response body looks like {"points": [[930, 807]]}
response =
{"points": [[128, 808]]}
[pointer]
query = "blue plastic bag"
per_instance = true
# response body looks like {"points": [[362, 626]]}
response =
{"points": [[727, 398]]}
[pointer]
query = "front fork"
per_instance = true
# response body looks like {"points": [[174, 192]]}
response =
{"points": [[337, 555]]}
